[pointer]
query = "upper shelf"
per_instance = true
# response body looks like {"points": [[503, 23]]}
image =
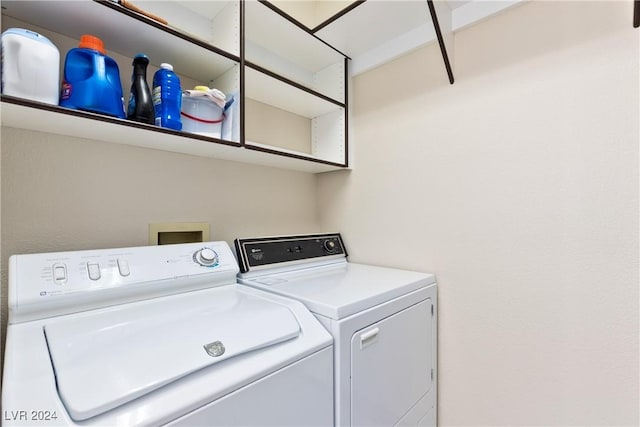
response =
{"points": [[269, 90], [278, 45], [377, 31], [373, 23], [197, 59], [215, 22]]}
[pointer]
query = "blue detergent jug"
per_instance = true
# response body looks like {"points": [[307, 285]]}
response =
{"points": [[92, 79]]}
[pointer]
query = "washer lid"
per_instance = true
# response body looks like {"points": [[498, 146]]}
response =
{"points": [[111, 357]]}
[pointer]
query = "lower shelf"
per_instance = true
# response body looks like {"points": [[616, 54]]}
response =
{"points": [[19, 114], [286, 152]]}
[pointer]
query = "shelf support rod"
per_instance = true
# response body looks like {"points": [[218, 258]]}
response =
{"points": [[443, 47], [636, 13]]}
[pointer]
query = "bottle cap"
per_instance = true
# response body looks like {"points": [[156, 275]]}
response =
{"points": [[141, 58], [166, 66], [87, 41]]}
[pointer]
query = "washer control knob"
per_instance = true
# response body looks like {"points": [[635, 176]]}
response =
{"points": [[206, 257], [330, 245]]}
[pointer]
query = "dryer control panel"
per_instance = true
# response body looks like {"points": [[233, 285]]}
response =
{"points": [[42, 285], [263, 252]]}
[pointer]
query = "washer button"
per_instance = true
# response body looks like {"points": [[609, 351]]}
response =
{"points": [[59, 273], [123, 267], [94, 270]]}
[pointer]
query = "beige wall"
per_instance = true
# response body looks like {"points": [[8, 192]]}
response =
{"points": [[259, 127], [518, 187], [312, 12]]}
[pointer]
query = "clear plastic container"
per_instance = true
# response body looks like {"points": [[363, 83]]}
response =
{"points": [[203, 111]]}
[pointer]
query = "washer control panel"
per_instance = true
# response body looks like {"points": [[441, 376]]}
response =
{"points": [[273, 251], [41, 284]]}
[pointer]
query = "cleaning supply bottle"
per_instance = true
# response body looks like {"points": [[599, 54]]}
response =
{"points": [[30, 66], [91, 79], [140, 101], [167, 97]]}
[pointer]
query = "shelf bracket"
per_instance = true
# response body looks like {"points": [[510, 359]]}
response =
{"points": [[636, 13], [445, 39]]}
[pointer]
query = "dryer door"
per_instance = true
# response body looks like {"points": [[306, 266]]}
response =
{"points": [[391, 364]]}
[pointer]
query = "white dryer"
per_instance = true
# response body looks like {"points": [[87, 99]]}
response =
{"points": [[383, 321], [158, 335]]}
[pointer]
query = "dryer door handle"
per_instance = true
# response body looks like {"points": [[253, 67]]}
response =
{"points": [[368, 337]]}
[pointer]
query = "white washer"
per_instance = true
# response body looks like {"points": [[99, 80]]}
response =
{"points": [[383, 321], [158, 335]]}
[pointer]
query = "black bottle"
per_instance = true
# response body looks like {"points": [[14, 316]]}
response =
{"points": [[140, 102]]}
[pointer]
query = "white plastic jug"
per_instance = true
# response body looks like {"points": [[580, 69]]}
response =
{"points": [[30, 66]]}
